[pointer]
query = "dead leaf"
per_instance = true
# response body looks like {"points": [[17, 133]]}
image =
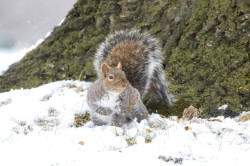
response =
{"points": [[188, 128], [162, 116], [81, 143], [214, 120], [149, 130], [179, 120]]}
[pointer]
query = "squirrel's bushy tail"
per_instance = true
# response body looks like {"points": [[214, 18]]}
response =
{"points": [[159, 86], [141, 58]]}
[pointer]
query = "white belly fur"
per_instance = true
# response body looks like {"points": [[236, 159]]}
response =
{"points": [[110, 100]]}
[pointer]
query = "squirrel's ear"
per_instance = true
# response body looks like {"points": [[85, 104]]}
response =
{"points": [[119, 66], [105, 69]]}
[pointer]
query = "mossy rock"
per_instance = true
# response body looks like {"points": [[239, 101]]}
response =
{"points": [[206, 49]]}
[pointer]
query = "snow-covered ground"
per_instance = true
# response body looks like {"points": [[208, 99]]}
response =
{"points": [[37, 127]]}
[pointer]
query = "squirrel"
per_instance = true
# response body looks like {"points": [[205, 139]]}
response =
{"points": [[112, 99], [141, 58], [138, 58]]}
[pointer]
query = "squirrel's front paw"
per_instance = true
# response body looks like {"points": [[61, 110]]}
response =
{"points": [[118, 119]]}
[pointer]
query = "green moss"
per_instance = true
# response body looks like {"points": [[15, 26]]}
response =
{"points": [[210, 66], [176, 110]]}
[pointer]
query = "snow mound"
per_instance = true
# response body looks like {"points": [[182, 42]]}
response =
{"points": [[37, 128]]}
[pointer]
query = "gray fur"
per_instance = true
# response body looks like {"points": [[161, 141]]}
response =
{"points": [[150, 73], [122, 113]]}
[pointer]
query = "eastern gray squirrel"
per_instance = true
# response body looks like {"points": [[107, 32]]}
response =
{"points": [[134, 58], [112, 100]]}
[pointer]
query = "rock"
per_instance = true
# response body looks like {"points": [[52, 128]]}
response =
{"points": [[191, 112], [244, 117]]}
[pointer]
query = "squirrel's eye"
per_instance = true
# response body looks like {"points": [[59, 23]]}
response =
{"points": [[111, 77]]}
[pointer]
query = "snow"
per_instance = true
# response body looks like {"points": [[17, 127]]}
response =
{"points": [[223, 107], [8, 57], [37, 128]]}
